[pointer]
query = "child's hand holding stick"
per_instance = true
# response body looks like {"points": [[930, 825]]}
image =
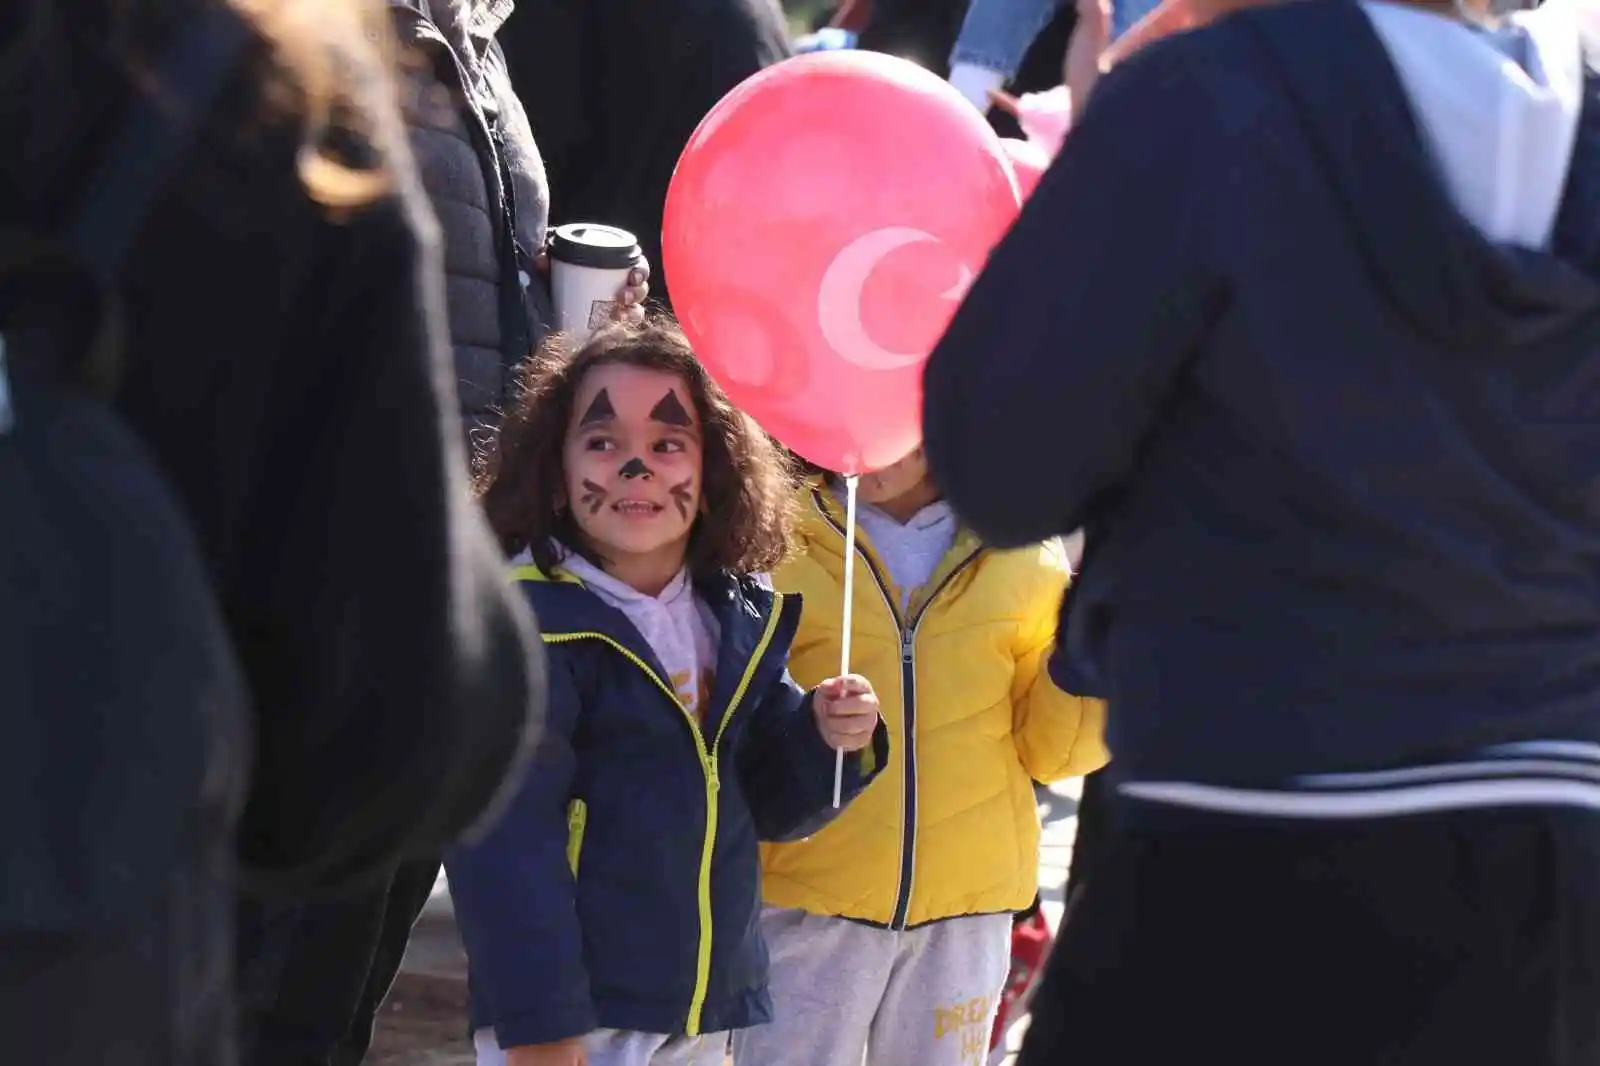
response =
{"points": [[847, 712]]}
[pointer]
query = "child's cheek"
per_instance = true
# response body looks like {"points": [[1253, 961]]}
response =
{"points": [[677, 466], [580, 462]]}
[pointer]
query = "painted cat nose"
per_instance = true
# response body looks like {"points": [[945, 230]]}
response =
{"points": [[634, 468]]}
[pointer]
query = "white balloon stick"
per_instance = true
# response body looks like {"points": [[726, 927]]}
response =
{"points": [[850, 484]]}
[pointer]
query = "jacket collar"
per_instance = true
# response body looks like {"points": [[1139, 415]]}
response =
{"points": [[564, 606], [822, 526], [1450, 283]]}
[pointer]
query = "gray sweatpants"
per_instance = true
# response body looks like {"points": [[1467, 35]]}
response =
{"points": [[617, 1047], [842, 990]]}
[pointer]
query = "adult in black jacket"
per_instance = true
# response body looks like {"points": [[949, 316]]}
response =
{"points": [[285, 364], [613, 91], [1319, 384], [467, 130]]}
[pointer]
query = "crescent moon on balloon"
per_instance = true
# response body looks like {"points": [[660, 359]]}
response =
{"points": [[839, 297]]}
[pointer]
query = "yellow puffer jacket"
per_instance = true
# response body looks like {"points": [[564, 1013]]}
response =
{"points": [[950, 827]]}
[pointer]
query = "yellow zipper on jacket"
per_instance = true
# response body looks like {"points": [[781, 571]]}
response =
{"points": [[708, 766], [908, 712], [577, 822]]}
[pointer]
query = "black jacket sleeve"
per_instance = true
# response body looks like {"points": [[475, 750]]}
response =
{"points": [[1058, 362], [786, 769], [396, 672]]}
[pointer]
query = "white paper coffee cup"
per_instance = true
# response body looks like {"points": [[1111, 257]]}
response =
{"points": [[589, 265]]}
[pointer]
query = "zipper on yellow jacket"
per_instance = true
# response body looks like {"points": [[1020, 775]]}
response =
{"points": [[907, 628], [708, 766]]}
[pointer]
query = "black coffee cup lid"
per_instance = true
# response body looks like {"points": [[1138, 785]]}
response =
{"points": [[591, 244]]}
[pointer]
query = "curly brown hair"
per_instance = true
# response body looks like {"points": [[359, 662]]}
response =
{"points": [[747, 523]]}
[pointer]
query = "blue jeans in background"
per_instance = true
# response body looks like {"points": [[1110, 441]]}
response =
{"points": [[996, 33]]}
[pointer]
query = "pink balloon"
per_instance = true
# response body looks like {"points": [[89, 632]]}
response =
{"points": [[1029, 161], [821, 226]]}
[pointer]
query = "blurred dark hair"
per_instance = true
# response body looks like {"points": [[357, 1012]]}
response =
{"points": [[327, 62], [747, 523]]}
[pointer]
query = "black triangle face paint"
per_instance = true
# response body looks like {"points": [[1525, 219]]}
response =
{"points": [[599, 410], [669, 411], [635, 467]]}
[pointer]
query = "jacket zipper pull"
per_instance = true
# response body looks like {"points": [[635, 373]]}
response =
{"points": [[907, 645]]}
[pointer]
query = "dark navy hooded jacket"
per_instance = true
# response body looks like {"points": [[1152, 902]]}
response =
{"points": [[622, 888], [1338, 455]]}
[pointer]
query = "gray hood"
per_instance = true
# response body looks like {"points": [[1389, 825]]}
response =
{"points": [[1443, 270]]}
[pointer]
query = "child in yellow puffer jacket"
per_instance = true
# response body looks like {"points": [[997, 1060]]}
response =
{"points": [[890, 929]]}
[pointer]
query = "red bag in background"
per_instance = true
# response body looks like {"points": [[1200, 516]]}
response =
{"points": [[1031, 940]]}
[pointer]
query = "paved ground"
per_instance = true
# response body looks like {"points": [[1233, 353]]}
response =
{"points": [[424, 1022]]}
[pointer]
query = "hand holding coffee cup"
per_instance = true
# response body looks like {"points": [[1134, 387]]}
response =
{"points": [[630, 305], [597, 273]]}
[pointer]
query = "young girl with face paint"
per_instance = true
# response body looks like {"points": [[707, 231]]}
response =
{"points": [[890, 929], [610, 915]]}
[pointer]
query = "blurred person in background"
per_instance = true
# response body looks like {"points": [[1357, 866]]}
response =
{"points": [[283, 361], [613, 92]]}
